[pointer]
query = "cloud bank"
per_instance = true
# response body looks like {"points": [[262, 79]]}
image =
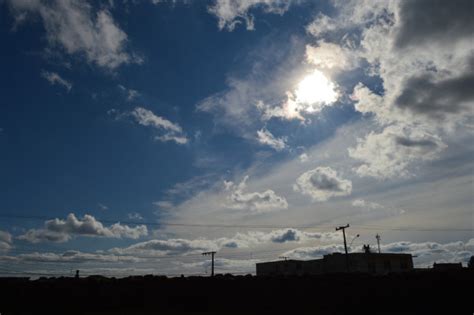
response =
{"points": [[59, 230]]}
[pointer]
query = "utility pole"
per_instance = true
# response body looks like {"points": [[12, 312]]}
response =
{"points": [[378, 241], [343, 228], [212, 261]]}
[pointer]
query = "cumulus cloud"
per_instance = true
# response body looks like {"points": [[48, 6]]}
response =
{"points": [[425, 253], [429, 252], [422, 52], [131, 94], [303, 157], [330, 56], [231, 13], [59, 230], [169, 131], [322, 183], [389, 153], [267, 138], [250, 239], [5, 241], [425, 20], [254, 201], [54, 78], [76, 28], [437, 98]]}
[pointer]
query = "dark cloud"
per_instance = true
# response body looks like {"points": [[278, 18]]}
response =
{"points": [[323, 183], [407, 142], [424, 95], [434, 20], [289, 236]]}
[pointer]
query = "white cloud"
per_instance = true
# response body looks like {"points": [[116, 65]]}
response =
{"points": [[233, 107], [135, 216], [59, 230], [73, 256], [250, 239], [322, 183], [170, 131], [389, 153], [425, 253], [330, 56], [102, 206], [428, 253], [311, 95], [146, 117], [75, 27], [266, 137], [168, 247], [54, 78], [304, 157], [231, 13], [254, 201], [425, 66], [361, 203], [5, 241], [131, 94]]}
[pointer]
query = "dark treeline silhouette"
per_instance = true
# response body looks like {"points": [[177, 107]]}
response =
{"points": [[404, 293]]}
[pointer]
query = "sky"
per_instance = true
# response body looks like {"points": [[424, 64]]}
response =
{"points": [[135, 135]]}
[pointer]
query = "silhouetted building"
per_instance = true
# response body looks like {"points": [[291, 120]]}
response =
{"points": [[447, 266], [366, 262]]}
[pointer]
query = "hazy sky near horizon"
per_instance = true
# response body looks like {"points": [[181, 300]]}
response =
{"points": [[136, 134]]}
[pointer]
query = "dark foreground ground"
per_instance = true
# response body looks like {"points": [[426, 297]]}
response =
{"points": [[418, 292]]}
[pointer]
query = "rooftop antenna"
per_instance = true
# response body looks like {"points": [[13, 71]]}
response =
{"points": [[343, 228], [212, 261], [284, 257], [378, 241]]}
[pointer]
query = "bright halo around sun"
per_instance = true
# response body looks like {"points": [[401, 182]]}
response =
{"points": [[315, 88]]}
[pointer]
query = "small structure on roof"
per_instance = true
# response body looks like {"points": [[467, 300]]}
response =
{"points": [[367, 262]]}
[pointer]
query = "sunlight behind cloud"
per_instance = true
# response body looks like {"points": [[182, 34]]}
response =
{"points": [[315, 88]]}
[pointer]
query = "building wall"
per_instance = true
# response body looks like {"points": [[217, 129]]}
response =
{"points": [[358, 262], [372, 263], [283, 267]]}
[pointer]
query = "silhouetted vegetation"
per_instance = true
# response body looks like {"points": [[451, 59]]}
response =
{"points": [[425, 291]]}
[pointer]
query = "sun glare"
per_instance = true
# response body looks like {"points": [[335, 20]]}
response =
{"points": [[316, 88]]}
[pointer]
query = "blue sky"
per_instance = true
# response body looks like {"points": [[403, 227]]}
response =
{"points": [[166, 128]]}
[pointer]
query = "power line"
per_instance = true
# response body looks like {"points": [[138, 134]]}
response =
{"points": [[252, 226]]}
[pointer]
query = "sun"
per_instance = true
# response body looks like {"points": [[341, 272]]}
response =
{"points": [[315, 88]]}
